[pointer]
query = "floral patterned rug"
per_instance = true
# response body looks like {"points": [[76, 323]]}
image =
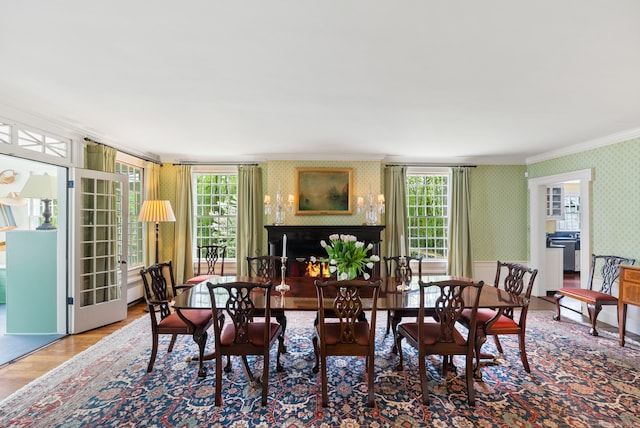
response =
{"points": [[576, 381]]}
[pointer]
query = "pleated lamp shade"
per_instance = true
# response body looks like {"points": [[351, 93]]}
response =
{"points": [[156, 211]]}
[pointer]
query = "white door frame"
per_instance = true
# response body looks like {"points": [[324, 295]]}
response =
{"points": [[538, 217], [101, 310]]}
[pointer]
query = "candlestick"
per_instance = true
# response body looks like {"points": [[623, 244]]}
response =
{"points": [[402, 253], [283, 287], [403, 286], [284, 246]]}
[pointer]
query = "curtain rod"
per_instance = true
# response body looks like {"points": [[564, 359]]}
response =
{"points": [[430, 165], [216, 164], [145, 158]]}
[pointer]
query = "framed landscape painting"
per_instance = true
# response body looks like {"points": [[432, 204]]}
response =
{"points": [[322, 191]]}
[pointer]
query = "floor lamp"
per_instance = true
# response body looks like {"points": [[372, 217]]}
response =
{"points": [[156, 211]]}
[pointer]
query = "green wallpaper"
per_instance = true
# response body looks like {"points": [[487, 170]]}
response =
{"points": [[499, 212], [366, 175], [615, 220]]}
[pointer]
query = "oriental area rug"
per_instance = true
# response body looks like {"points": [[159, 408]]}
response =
{"points": [[576, 380]]}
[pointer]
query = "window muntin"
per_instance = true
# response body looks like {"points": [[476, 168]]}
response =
{"points": [[216, 209], [135, 246], [41, 143], [428, 215], [5, 133]]}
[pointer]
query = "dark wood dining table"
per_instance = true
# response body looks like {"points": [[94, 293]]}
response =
{"points": [[302, 297]]}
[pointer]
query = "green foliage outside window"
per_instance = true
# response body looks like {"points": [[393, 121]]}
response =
{"points": [[428, 212], [217, 211]]}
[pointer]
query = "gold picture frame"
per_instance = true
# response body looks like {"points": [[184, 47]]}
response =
{"points": [[324, 191]]}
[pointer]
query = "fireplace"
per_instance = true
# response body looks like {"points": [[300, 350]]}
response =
{"points": [[303, 242]]}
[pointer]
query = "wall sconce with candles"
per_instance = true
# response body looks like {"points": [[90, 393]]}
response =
{"points": [[280, 208], [372, 208], [43, 187]]}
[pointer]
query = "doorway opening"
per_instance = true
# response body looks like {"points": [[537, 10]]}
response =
{"points": [[543, 225]]}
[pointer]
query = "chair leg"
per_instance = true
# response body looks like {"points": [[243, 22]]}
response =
{"points": [[323, 379], [471, 393], [316, 351], [389, 314], [218, 398], [154, 352], [593, 310], [265, 376], [281, 350], [395, 320], [398, 345], [370, 374], [557, 297], [523, 352], [227, 368], [422, 367], [498, 344], [247, 369], [173, 342]]}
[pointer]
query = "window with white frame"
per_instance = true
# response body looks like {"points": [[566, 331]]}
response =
{"points": [[135, 246], [216, 209], [427, 193], [41, 143], [45, 146]]}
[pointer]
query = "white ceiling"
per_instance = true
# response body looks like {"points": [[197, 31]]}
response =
{"points": [[491, 81]]}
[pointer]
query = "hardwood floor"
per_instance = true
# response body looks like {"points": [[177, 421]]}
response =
{"points": [[19, 373]]}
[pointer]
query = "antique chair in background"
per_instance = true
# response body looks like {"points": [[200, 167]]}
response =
{"points": [[211, 254], [346, 333], [595, 299], [519, 279], [439, 335], [159, 288], [243, 335], [264, 266], [393, 268]]}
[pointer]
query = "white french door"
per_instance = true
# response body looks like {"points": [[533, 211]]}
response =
{"points": [[99, 272]]}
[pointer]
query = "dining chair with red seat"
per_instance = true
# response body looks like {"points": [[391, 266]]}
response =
{"points": [[393, 269], [264, 266], [159, 288], [243, 334], [211, 255], [341, 329], [519, 279], [439, 335]]}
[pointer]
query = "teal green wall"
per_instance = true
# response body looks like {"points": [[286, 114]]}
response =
{"points": [[499, 212], [615, 227]]}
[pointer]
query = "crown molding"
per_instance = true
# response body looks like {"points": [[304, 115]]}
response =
{"points": [[587, 145]]}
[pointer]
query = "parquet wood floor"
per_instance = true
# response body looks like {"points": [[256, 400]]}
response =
{"points": [[19, 373]]}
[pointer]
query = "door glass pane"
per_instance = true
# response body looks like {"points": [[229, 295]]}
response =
{"points": [[101, 268]]}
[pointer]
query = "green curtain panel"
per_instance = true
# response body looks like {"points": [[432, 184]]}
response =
{"points": [[395, 179], [99, 157], [460, 261], [182, 250], [250, 217], [151, 192]]}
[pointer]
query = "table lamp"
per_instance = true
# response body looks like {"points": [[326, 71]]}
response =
{"points": [[156, 211], [43, 187]]}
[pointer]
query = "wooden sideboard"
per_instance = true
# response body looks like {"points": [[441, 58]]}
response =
{"points": [[629, 294]]}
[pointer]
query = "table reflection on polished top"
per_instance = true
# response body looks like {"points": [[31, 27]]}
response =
{"points": [[302, 295]]}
